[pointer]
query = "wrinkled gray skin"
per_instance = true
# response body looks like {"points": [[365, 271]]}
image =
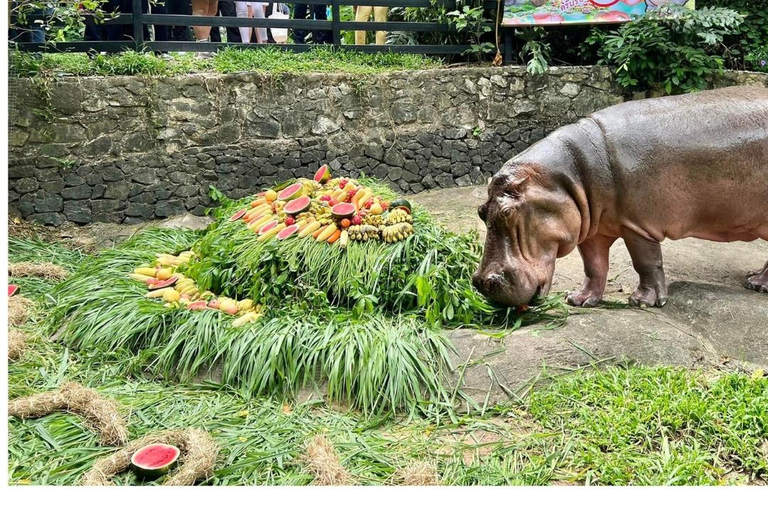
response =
{"points": [[685, 166]]}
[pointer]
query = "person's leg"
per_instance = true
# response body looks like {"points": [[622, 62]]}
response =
{"points": [[300, 13], [213, 10], [215, 36], [200, 8], [241, 9], [227, 8], [321, 36], [258, 12], [363, 13], [380, 14], [184, 7], [161, 31]]}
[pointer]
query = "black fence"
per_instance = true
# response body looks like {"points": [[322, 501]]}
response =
{"points": [[137, 20]]}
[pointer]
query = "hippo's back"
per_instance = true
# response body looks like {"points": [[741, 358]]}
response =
{"points": [[701, 159]]}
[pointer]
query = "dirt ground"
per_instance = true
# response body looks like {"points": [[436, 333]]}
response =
{"points": [[711, 320]]}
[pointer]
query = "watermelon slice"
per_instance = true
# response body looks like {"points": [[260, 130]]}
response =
{"points": [[297, 206], [323, 174], [12, 289], [165, 283], [287, 232], [154, 460], [266, 227], [290, 192], [343, 211], [200, 304], [238, 215]]}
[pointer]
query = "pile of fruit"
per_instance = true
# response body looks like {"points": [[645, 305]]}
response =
{"points": [[329, 210], [165, 282]]}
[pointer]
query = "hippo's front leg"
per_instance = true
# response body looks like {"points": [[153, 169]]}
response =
{"points": [[594, 253], [647, 260], [758, 280]]}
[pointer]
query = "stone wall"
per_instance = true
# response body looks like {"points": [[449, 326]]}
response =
{"points": [[128, 149]]}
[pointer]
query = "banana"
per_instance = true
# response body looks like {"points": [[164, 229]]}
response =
{"points": [[140, 277]]}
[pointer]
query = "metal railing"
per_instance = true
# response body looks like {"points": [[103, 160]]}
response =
{"points": [[137, 20]]}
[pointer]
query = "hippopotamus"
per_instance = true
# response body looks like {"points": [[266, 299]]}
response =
{"points": [[694, 165]]}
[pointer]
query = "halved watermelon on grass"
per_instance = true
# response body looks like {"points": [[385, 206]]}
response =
{"points": [[323, 174], [238, 215], [165, 283], [266, 227], [12, 289], [343, 211], [297, 206], [154, 460], [291, 192], [403, 204], [287, 232]]}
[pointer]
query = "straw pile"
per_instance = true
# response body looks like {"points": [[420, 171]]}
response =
{"points": [[323, 462], [17, 344], [418, 473], [42, 270], [101, 414], [197, 459], [19, 309]]}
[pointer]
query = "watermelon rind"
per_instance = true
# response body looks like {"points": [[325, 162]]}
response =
{"points": [[344, 211], [12, 289], [297, 206], [144, 470], [323, 174], [290, 192], [287, 232], [164, 284], [238, 215], [268, 226], [403, 204]]}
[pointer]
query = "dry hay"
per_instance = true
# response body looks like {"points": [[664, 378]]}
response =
{"points": [[197, 459], [417, 473], [42, 270], [17, 344], [101, 414], [322, 461], [19, 309]]}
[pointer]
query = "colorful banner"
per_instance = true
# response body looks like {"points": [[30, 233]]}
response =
{"points": [[579, 12]]}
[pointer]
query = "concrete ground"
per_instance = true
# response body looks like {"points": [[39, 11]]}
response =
{"points": [[711, 320]]}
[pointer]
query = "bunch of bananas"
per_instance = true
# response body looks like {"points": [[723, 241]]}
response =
{"points": [[316, 208], [187, 286], [363, 232], [310, 186], [397, 232], [373, 220], [308, 216], [279, 205], [397, 216]]}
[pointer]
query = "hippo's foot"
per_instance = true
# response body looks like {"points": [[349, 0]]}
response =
{"points": [[649, 296], [758, 280], [584, 298]]}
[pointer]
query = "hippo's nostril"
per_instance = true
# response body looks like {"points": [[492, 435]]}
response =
{"points": [[493, 281]]}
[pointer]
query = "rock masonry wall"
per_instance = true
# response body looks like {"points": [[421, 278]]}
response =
{"points": [[130, 149]]}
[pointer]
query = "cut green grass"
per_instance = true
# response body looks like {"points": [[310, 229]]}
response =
{"points": [[629, 426], [230, 60]]}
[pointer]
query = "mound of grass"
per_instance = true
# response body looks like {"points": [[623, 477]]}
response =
{"points": [[230, 60]]}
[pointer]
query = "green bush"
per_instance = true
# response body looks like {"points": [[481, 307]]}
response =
{"points": [[747, 46], [672, 49]]}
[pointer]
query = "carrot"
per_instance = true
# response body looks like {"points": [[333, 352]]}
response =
{"points": [[335, 236]]}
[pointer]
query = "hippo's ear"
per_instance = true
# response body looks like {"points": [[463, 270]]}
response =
{"points": [[514, 187]]}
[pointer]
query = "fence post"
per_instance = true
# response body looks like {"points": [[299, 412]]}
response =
{"points": [[138, 25], [336, 13]]}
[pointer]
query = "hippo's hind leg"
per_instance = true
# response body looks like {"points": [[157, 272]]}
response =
{"points": [[647, 260], [758, 280], [594, 253]]}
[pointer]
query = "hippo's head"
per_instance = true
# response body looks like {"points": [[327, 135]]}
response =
{"points": [[531, 222]]}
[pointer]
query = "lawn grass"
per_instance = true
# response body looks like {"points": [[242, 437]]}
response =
{"points": [[637, 426], [270, 60]]}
